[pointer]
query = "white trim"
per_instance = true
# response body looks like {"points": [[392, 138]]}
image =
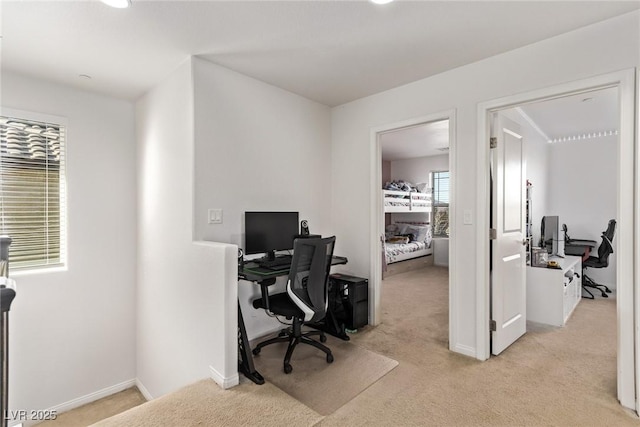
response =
{"points": [[533, 124], [637, 246], [465, 350], [625, 80], [83, 400], [222, 381], [63, 265], [38, 117], [145, 392], [377, 215]]}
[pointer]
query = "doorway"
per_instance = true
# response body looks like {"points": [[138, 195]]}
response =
{"points": [[415, 186], [623, 82], [377, 211]]}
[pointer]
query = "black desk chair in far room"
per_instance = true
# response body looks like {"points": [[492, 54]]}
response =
{"points": [[601, 261], [305, 300]]}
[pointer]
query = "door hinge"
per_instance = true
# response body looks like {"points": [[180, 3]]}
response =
{"points": [[492, 325], [493, 142], [493, 234]]}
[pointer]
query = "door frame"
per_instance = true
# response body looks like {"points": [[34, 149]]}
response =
{"points": [[627, 223], [377, 214]]}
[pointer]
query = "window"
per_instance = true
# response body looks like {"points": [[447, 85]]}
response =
{"points": [[32, 192], [440, 186]]}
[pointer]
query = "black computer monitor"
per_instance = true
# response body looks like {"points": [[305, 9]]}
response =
{"points": [[267, 232]]}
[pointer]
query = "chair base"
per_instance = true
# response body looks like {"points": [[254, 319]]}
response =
{"points": [[588, 282], [294, 336]]}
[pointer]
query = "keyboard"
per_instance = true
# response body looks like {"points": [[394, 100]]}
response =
{"points": [[279, 263]]}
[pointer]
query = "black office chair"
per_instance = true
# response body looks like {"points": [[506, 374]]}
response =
{"points": [[305, 300], [601, 261]]}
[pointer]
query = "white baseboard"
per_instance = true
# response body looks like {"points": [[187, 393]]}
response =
{"points": [[465, 349], [222, 381], [83, 400], [143, 390]]}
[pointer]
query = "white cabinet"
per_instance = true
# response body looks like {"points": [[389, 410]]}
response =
{"points": [[440, 251], [553, 294]]}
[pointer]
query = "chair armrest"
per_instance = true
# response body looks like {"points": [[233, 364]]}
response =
{"points": [[264, 291]]}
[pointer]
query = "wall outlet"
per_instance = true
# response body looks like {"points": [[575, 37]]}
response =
{"points": [[215, 216]]}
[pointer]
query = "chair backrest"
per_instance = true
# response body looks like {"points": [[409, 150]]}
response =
{"points": [[307, 285], [606, 246]]}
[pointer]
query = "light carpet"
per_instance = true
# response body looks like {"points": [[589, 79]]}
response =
{"points": [[322, 386], [206, 404], [550, 377]]}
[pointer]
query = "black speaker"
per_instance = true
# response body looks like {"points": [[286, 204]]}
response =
{"points": [[304, 228], [240, 258]]}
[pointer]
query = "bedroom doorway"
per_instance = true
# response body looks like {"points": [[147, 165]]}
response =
{"points": [[622, 84], [414, 161]]}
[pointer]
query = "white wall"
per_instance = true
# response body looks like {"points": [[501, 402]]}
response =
{"points": [[72, 332], [604, 47], [536, 155], [257, 147], [583, 192], [187, 298], [417, 170]]}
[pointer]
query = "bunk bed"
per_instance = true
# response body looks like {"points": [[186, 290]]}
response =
{"points": [[406, 240], [406, 201]]}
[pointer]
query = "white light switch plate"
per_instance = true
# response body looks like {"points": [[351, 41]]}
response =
{"points": [[468, 220], [215, 216]]}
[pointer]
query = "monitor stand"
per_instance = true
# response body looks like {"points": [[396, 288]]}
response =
{"points": [[270, 256]]}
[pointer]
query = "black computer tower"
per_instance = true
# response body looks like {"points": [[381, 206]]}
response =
{"points": [[350, 306]]}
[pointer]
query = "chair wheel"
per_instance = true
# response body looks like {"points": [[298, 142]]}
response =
{"points": [[329, 358], [287, 368], [323, 338], [605, 295], [608, 290], [256, 351]]}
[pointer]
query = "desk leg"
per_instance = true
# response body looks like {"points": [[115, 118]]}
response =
{"points": [[245, 358]]}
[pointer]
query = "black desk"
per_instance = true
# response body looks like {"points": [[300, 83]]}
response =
{"points": [[579, 247], [265, 277]]}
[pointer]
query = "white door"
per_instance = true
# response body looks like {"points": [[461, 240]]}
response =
{"points": [[508, 258]]}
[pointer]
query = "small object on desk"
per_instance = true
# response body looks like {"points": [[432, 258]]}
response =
{"points": [[539, 257], [553, 264], [304, 228], [279, 261]]}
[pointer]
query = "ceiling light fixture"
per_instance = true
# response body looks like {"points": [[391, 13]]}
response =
{"points": [[120, 4], [380, 1]]}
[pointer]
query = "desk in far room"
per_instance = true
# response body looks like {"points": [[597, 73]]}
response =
{"points": [[581, 248]]}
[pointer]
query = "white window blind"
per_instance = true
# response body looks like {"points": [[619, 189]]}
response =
{"points": [[32, 192]]}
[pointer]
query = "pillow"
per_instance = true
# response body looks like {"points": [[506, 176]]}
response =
{"points": [[391, 228], [419, 232], [401, 228]]}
